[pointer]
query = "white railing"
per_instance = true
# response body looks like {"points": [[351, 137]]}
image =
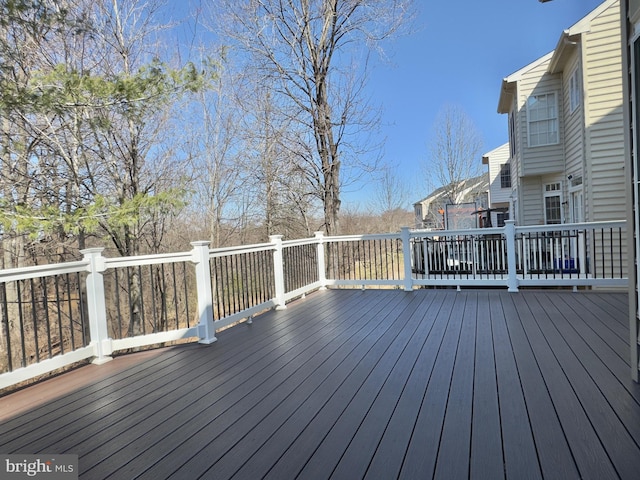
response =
{"points": [[586, 254], [55, 315]]}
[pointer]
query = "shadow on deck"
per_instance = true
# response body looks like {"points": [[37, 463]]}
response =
{"points": [[360, 384]]}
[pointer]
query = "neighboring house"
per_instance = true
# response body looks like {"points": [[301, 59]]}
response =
{"points": [[501, 193], [430, 212], [566, 126], [630, 22]]}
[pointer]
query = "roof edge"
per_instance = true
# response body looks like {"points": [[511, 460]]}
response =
{"points": [[572, 35], [508, 83]]}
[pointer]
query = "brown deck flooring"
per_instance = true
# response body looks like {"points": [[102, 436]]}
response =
{"points": [[350, 384]]}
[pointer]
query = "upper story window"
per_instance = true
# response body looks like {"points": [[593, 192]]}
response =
{"points": [[512, 133], [505, 175], [575, 91], [542, 116]]}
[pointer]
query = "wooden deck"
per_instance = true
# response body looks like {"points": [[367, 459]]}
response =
{"points": [[360, 384]]}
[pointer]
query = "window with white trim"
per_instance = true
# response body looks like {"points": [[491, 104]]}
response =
{"points": [[542, 119], [552, 203], [575, 90], [505, 175]]}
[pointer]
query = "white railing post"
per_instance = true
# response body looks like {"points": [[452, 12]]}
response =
{"points": [[510, 241], [426, 258], [206, 328], [582, 254], [96, 306], [278, 271], [406, 253], [322, 264]]}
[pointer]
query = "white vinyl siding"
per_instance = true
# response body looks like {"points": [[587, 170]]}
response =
{"points": [[574, 131], [604, 166], [584, 74], [497, 157], [531, 205], [605, 177], [515, 144], [542, 159], [575, 90]]}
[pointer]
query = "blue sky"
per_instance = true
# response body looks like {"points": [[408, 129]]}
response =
{"points": [[459, 55]]}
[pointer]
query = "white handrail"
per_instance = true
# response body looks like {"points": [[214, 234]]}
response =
{"points": [[38, 271], [500, 256]]}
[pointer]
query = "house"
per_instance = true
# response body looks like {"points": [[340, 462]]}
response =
{"points": [[566, 126], [630, 22], [438, 210], [500, 184]]}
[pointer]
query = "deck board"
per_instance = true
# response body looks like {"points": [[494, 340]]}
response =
{"points": [[322, 379], [613, 436], [583, 322], [313, 406], [369, 433], [551, 444], [350, 378], [454, 449], [359, 384], [388, 459], [589, 454], [518, 444], [422, 452], [486, 439], [221, 407]]}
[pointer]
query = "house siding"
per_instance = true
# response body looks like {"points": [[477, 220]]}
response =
{"points": [[516, 163], [574, 139], [546, 159], [497, 158], [591, 138], [604, 123], [531, 207]]}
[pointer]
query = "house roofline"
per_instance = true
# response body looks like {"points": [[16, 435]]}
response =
{"points": [[565, 45], [468, 183], [509, 83], [570, 37], [504, 146]]}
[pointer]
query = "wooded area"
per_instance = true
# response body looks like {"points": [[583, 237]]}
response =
{"points": [[118, 131]]}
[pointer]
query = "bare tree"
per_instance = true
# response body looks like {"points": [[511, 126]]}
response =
{"points": [[215, 145], [391, 192], [454, 152], [315, 52], [391, 200], [281, 191]]}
